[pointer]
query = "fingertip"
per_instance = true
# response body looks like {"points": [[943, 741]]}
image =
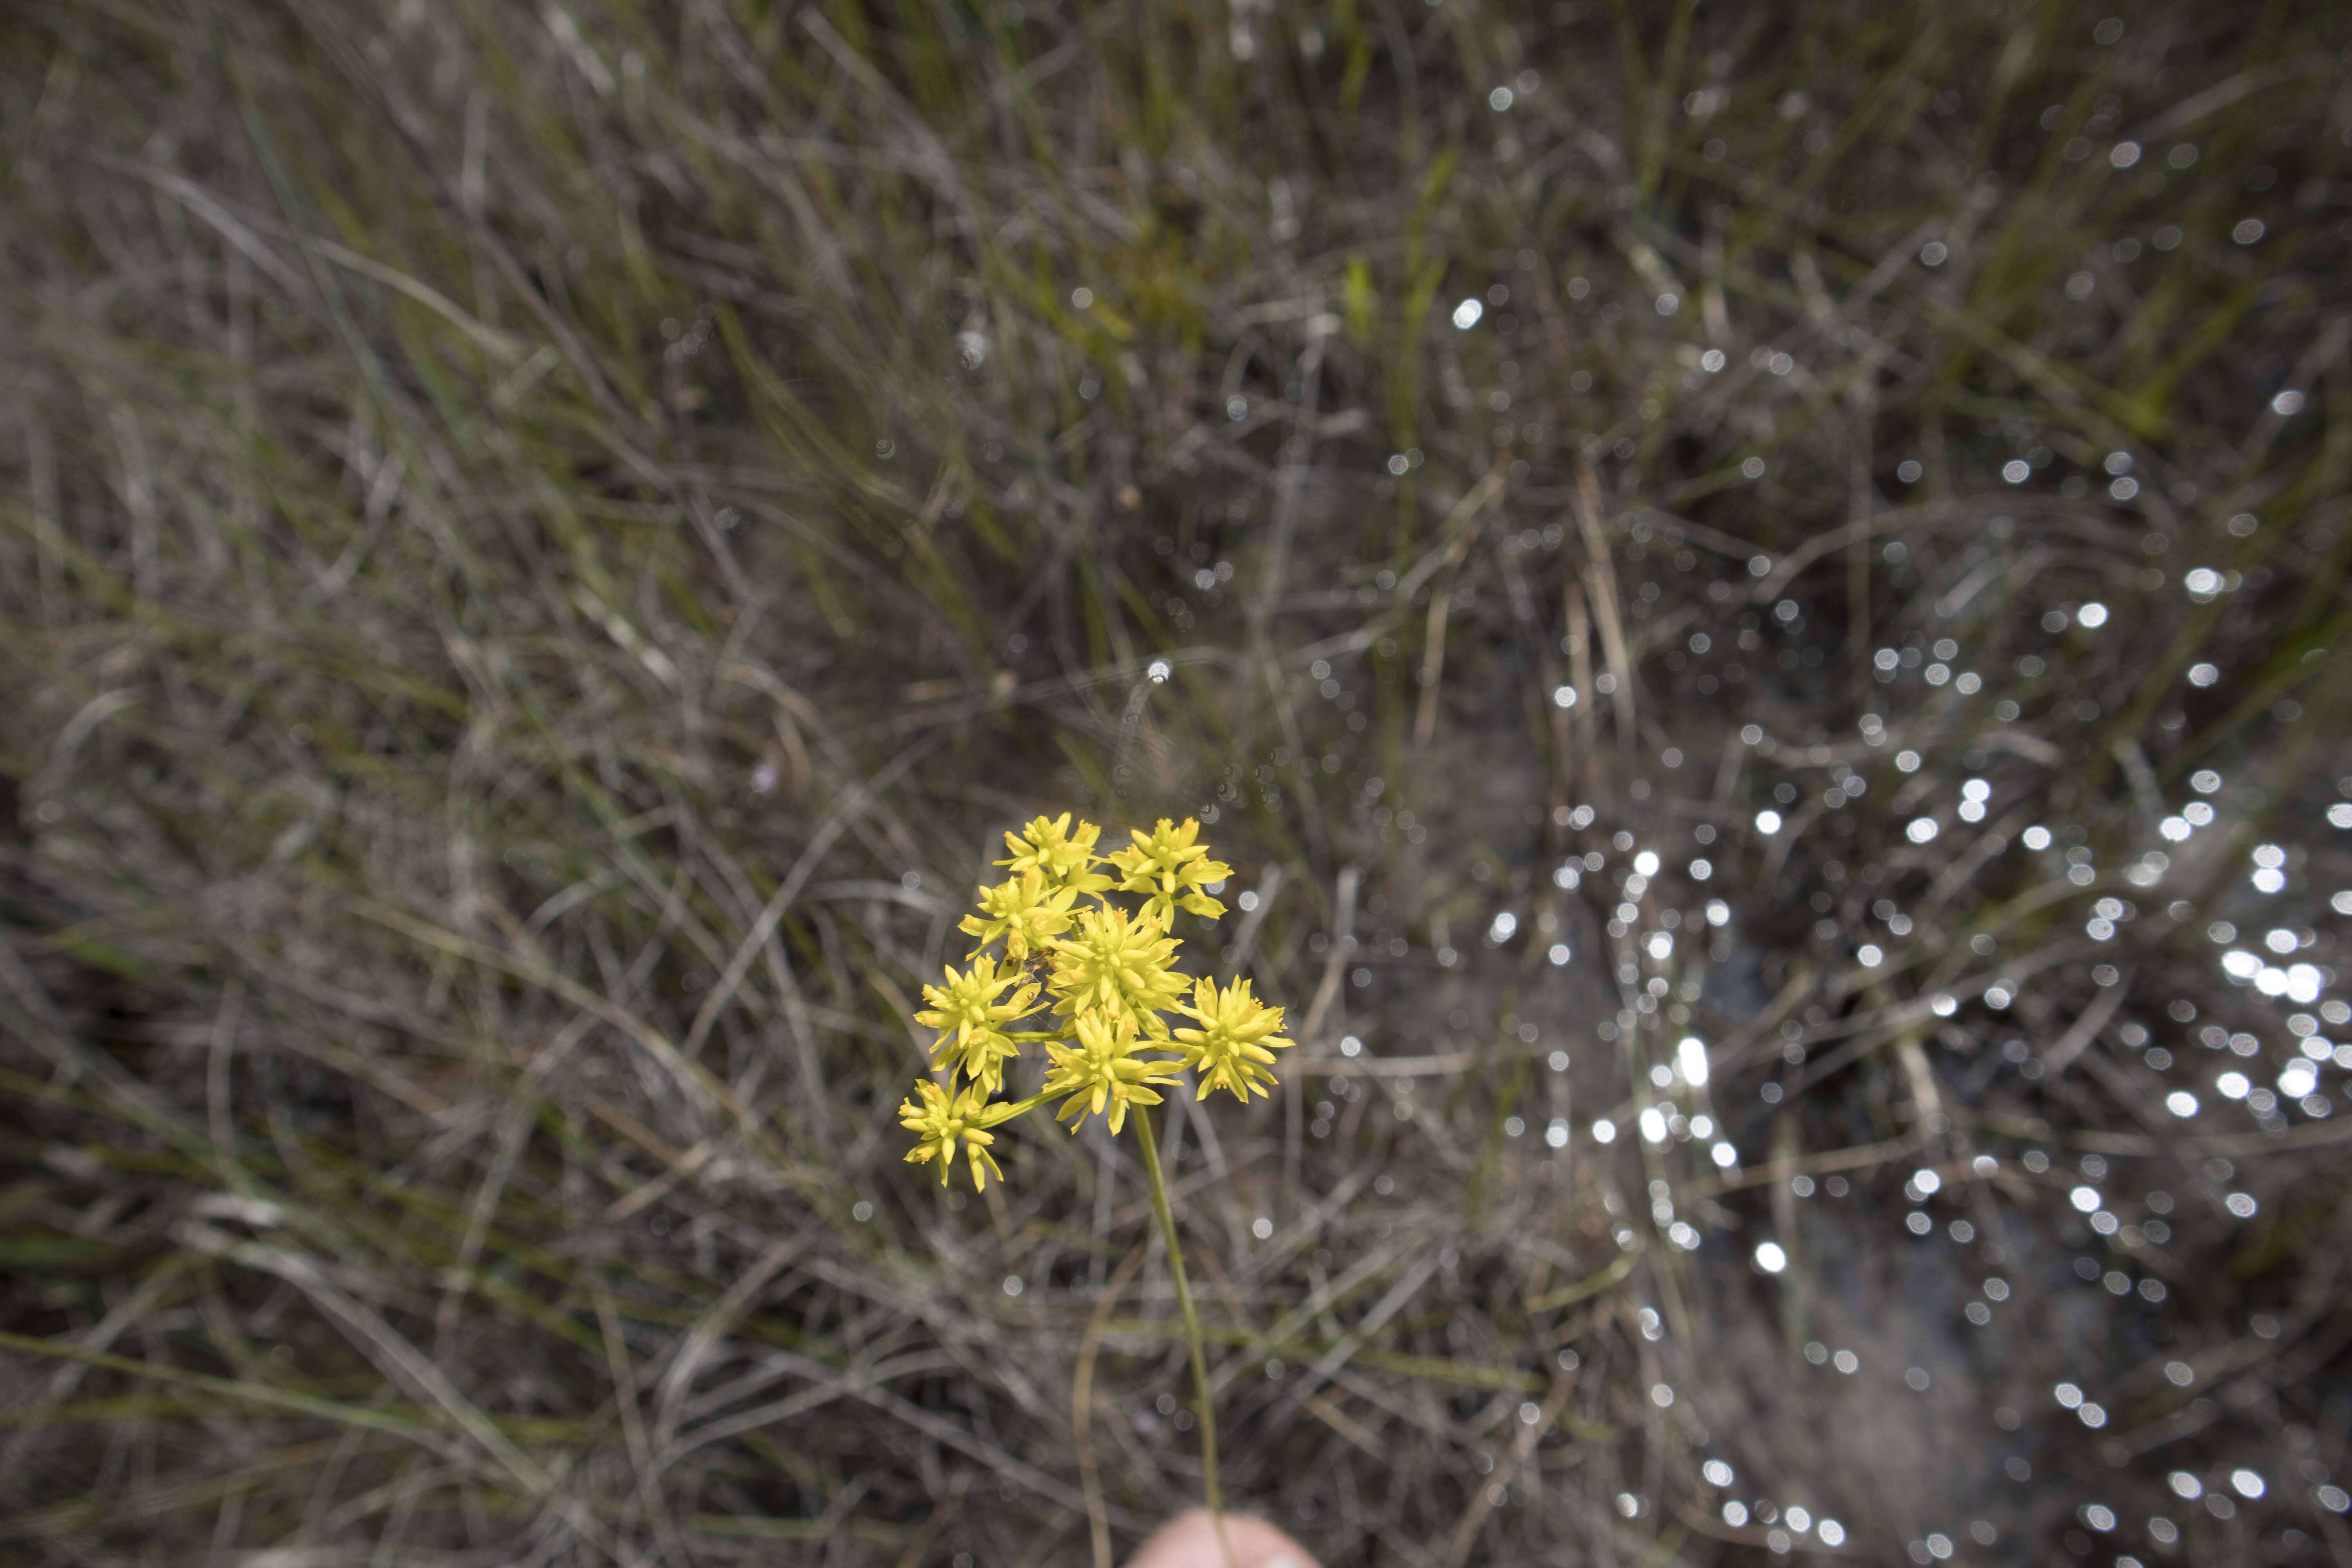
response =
{"points": [[1190, 1540]]}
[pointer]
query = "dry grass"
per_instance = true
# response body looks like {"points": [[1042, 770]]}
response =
{"points": [[541, 548]]}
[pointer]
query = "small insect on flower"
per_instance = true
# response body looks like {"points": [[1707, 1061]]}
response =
{"points": [[941, 1122], [1102, 1071]]}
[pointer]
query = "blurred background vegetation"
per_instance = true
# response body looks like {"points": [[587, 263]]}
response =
{"points": [[542, 546]]}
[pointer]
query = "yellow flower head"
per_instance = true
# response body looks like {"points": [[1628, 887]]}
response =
{"points": [[1103, 1070], [1118, 965], [1236, 1041], [980, 1057], [1108, 968], [1022, 910], [1170, 869], [942, 1122], [1064, 857], [968, 1005]]}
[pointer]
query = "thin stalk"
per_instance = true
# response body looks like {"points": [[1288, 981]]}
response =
{"points": [[1201, 1407], [1005, 1111]]}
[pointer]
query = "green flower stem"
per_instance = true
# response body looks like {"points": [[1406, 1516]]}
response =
{"points": [[1006, 1111], [1205, 1411]]}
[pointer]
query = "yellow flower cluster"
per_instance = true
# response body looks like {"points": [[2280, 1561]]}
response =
{"points": [[1103, 977]]}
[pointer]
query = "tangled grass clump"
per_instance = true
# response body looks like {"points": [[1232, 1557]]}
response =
{"points": [[1755, 595]]}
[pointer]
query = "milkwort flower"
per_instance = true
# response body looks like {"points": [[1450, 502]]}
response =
{"points": [[1118, 965], [1052, 929], [1236, 1040], [1024, 911], [943, 1123], [1170, 869], [968, 1005], [1065, 858], [1103, 1071]]}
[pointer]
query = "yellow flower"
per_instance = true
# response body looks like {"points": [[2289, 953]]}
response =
{"points": [[1108, 970], [1237, 1043], [1065, 858], [1117, 964], [1103, 1070], [1023, 911], [1166, 864], [968, 1005], [980, 1056], [940, 1123]]}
